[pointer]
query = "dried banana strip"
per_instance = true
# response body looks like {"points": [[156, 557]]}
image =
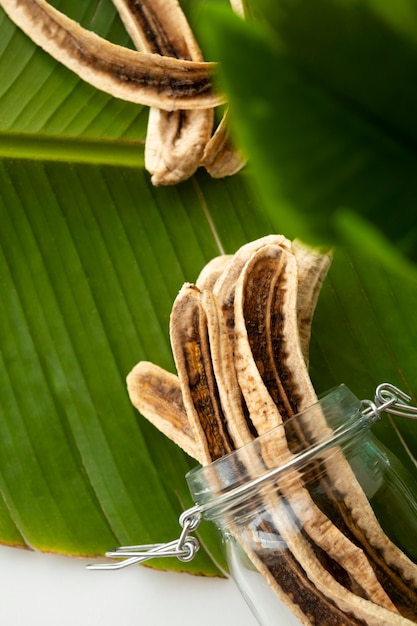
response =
{"points": [[159, 27], [175, 143], [312, 268], [191, 350], [224, 288], [149, 79], [210, 273], [221, 354], [157, 394], [175, 140], [270, 266], [220, 157]]}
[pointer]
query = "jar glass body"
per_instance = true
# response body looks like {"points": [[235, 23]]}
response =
{"points": [[297, 505]]}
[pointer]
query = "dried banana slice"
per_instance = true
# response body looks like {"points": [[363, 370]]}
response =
{"points": [[148, 79], [312, 268], [212, 271], [191, 349], [175, 140], [220, 157], [157, 394]]}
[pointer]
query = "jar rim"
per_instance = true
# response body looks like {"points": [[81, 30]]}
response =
{"points": [[226, 481]]}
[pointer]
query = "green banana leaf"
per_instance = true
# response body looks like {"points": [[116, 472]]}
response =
{"points": [[92, 255], [333, 162]]}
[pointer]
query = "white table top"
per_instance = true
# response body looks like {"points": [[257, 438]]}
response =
{"points": [[49, 590]]}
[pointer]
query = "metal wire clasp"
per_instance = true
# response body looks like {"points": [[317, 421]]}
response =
{"points": [[389, 399], [184, 548]]}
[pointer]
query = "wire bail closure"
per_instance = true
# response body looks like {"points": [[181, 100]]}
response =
{"points": [[387, 399], [184, 548]]}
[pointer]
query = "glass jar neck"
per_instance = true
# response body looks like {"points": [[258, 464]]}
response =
{"points": [[335, 421]]}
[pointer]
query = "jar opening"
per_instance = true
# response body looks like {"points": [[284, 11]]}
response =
{"points": [[334, 421]]}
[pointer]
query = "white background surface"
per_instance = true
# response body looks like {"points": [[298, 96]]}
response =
{"points": [[48, 590]]}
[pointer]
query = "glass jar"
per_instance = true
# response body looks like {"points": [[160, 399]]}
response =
{"points": [[319, 520]]}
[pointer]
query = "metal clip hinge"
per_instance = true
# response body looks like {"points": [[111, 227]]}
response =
{"points": [[184, 548], [389, 399]]}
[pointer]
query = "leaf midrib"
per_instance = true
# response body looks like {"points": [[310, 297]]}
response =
{"points": [[71, 149]]}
